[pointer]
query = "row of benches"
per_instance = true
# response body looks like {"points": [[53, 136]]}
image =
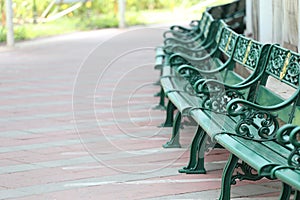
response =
{"points": [[242, 114]]}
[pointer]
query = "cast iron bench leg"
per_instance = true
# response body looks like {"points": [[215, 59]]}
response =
{"points": [[285, 192], [161, 105], [193, 151], [196, 162], [226, 177], [297, 195], [200, 151], [174, 141], [169, 115]]}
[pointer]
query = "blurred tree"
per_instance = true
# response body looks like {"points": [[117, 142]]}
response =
{"points": [[25, 10]]}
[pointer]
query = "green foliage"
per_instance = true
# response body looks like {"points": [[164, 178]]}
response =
{"points": [[104, 6], [19, 33], [98, 21], [99, 14], [23, 9]]}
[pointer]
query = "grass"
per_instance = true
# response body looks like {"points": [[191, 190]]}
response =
{"points": [[68, 24]]}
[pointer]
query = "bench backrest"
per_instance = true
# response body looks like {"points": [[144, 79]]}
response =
{"points": [[204, 27], [246, 55], [209, 21], [222, 46], [247, 52], [205, 23], [228, 40], [219, 26], [283, 66], [281, 70]]}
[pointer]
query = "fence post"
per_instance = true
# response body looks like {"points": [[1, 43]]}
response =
{"points": [[10, 40], [34, 11], [122, 7]]}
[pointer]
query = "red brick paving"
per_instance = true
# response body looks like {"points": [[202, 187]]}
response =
{"points": [[36, 90]]}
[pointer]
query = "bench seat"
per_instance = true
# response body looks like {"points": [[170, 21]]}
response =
{"points": [[221, 128]]}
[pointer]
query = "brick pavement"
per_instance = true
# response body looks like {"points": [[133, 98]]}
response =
{"points": [[77, 123]]}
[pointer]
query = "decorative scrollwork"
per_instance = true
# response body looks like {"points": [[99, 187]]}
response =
{"points": [[293, 71], [253, 55], [247, 52], [224, 39], [241, 49], [254, 124], [192, 75], [230, 43], [247, 173], [284, 65], [276, 61], [217, 97], [194, 78], [294, 158], [290, 137]]}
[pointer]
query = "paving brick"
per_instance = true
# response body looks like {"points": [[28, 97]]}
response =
{"points": [[98, 139]]}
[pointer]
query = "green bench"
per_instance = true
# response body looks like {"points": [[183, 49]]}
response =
{"points": [[203, 42], [197, 39], [178, 31], [191, 40], [248, 128], [232, 14], [169, 78], [182, 88]]}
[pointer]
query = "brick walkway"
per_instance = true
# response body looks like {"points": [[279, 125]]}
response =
{"points": [[78, 123]]}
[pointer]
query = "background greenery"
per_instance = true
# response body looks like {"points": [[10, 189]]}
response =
{"points": [[96, 14]]}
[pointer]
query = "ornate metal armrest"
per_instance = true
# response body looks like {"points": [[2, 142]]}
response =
{"points": [[233, 106], [190, 73], [168, 49], [180, 32], [183, 31], [216, 95], [212, 86], [178, 48], [289, 135], [262, 118], [205, 68], [181, 58], [180, 28], [189, 70], [185, 41], [239, 86], [199, 52], [178, 59]]}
